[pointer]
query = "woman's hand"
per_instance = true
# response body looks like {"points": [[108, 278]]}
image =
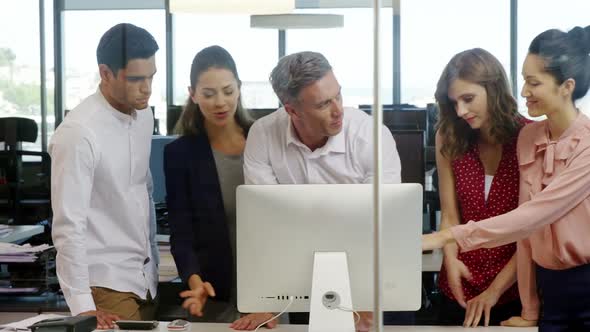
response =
{"points": [[456, 272], [196, 297], [481, 304], [437, 240], [518, 321], [365, 321]]}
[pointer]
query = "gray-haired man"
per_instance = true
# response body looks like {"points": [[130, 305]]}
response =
{"points": [[313, 138]]}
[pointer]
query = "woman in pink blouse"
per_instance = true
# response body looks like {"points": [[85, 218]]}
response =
{"points": [[476, 139], [552, 223]]}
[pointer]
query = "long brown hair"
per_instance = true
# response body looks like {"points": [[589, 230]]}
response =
{"points": [[481, 67], [191, 121]]}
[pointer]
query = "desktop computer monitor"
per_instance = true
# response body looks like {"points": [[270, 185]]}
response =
{"points": [[157, 166], [281, 227]]}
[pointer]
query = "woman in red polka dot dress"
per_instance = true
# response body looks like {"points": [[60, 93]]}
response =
{"points": [[478, 178]]}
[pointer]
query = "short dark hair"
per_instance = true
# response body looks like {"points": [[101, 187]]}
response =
{"points": [[566, 55], [122, 43]]}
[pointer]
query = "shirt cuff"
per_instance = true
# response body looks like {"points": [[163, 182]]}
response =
{"points": [[80, 303]]}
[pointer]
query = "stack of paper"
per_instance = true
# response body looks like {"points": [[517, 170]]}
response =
{"points": [[5, 230], [167, 270], [13, 253]]}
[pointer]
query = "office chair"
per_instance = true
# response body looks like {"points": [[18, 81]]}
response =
{"points": [[24, 184]]}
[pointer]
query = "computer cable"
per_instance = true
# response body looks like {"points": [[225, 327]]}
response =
{"points": [[291, 299], [358, 316]]}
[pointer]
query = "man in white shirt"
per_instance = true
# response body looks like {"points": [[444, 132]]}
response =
{"points": [[104, 223], [313, 139]]}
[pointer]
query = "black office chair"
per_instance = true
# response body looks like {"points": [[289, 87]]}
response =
{"points": [[24, 184]]}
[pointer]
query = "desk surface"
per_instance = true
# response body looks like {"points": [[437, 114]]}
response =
{"points": [[209, 327], [212, 327], [21, 232]]}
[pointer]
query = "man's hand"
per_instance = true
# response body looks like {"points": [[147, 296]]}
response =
{"points": [[250, 322], [104, 320], [365, 321], [456, 272], [518, 321], [482, 303], [196, 297], [437, 240]]}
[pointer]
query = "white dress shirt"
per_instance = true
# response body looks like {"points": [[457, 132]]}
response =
{"points": [[103, 219], [274, 154]]}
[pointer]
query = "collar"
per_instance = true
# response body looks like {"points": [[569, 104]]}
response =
{"points": [[560, 149], [336, 144], [124, 118]]}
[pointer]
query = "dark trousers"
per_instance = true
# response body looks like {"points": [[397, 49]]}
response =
{"points": [[451, 313], [565, 299]]}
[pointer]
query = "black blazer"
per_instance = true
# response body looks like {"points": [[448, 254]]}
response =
{"points": [[199, 235]]}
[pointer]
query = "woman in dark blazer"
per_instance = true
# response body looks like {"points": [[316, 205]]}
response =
{"points": [[203, 167]]}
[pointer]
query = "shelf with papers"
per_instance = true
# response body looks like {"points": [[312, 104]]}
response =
{"points": [[27, 273]]}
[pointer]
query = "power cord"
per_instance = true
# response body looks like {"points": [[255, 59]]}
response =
{"points": [[331, 300], [358, 316], [291, 299]]}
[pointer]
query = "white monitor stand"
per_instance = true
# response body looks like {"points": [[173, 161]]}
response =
{"points": [[331, 299]]}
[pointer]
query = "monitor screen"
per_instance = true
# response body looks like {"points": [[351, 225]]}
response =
{"points": [[157, 166], [281, 227]]}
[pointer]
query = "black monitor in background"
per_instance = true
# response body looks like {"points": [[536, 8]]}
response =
{"points": [[402, 116], [157, 167], [410, 148], [173, 113], [409, 117], [257, 113]]}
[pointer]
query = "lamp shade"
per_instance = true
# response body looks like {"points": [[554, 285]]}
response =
{"points": [[232, 6], [297, 21]]}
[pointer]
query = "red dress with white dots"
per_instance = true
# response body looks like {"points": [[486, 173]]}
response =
{"points": [[485, 264]]}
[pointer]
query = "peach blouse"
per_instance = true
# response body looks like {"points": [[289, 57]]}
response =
{"points": [[552, 222]]}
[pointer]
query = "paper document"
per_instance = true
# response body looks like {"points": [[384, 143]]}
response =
{"points": [[11, 248], [5, 230]]}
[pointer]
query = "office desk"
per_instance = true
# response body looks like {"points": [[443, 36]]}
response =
{"points": [[21, 233], [209, 327], [212, 327]]}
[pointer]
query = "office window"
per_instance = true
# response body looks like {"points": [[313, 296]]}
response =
{"points": [[49, 69], [19, 63], [432, 31], [536, 16], [350, 51], [82, 32], [255, 52]]}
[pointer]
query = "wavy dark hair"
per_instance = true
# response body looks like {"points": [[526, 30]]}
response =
{"points": [[191, 121], [480, 67]]}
